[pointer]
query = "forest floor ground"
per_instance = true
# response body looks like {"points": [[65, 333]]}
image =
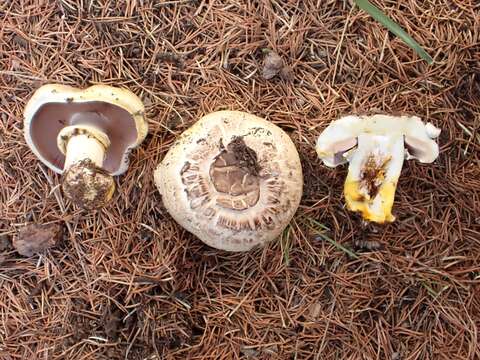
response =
{"points": [[128, 282]]}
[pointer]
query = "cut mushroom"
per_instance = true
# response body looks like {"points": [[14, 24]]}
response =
{"points": [[232, 179], [375, 146], [86, 135]]}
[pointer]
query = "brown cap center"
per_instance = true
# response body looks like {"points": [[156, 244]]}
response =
{"points": [[234, 174]]}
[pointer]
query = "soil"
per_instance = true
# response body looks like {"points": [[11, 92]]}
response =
{"points": [[113, 324], [246, 157], [5, 243]]}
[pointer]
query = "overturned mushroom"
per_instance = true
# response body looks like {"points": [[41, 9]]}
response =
{"points": [[232, 179], [375, 146], [86, 135]]}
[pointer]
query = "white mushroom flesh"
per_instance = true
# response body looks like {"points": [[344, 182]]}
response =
{"points": [[373, 174], [375, 146]]}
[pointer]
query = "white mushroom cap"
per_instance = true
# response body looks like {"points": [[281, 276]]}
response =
{"points": [[233, 179], [53, 107], [376, 147]]}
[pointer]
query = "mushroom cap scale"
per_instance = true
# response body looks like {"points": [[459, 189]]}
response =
{"points": [[233, 179], [117, 112]]}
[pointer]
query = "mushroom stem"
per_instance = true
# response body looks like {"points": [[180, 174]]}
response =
{"points": [[82, 142], [373, 173], [85, 182], [83, 147]]}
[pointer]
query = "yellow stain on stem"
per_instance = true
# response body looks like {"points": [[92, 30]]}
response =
{"points": [[358, 201]]}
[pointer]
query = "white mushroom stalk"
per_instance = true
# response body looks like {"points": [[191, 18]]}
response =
{"points": [[375, 146], [84, 179], [84, 143]]}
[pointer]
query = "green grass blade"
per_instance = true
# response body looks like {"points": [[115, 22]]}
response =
{"points": [[338, 246], [286, 245], [382, 18], [329, 239]]}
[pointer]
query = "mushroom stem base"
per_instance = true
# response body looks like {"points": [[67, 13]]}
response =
{"points": [[87, 185]]}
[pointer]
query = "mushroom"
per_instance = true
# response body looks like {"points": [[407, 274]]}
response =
{"points": [[375, 146], [86, 135], [233, 179]]}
